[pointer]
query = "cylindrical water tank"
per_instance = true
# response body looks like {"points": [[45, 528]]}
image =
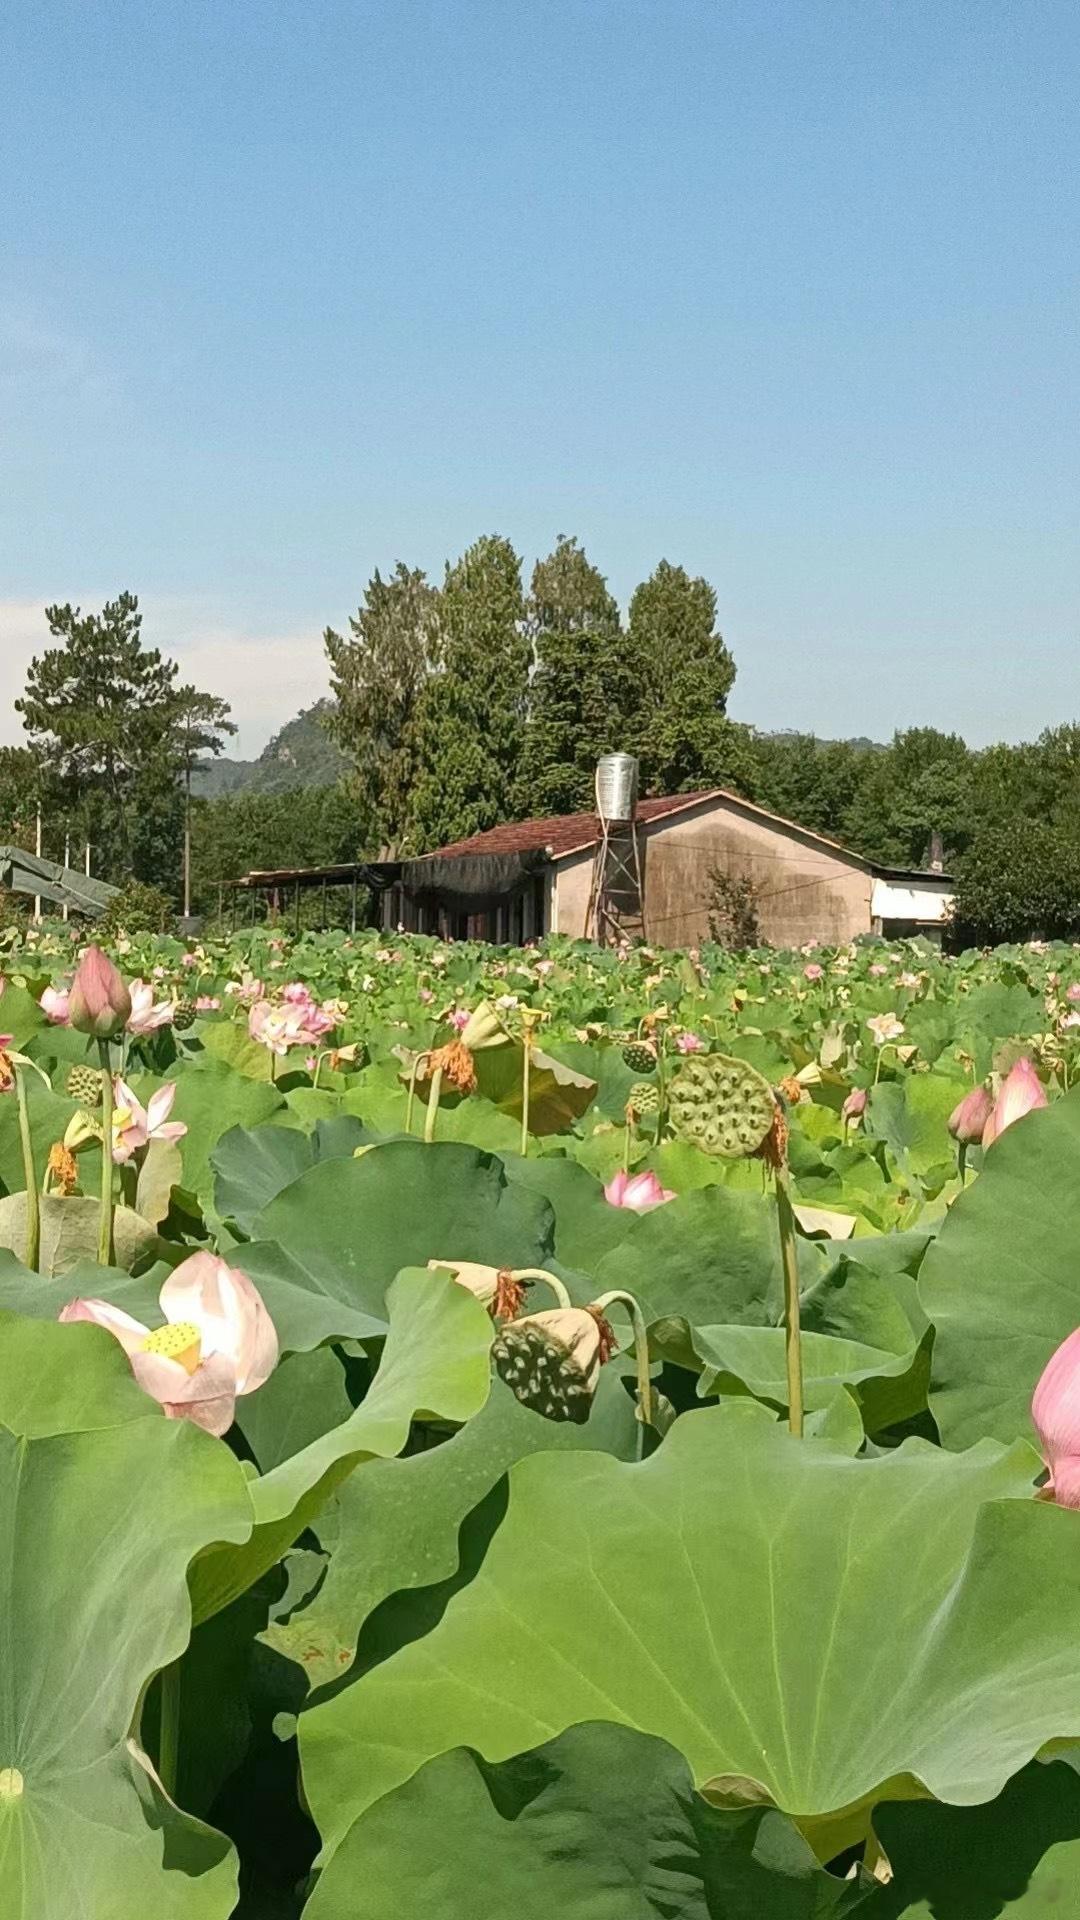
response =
{"points": [[616, 786]]}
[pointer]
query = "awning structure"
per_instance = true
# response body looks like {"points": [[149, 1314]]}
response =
{"points": [[470, 880], [62, 886], [366, 873]]}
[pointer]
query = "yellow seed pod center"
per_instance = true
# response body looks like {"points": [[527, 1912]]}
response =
{"points": [[180, 1341]]}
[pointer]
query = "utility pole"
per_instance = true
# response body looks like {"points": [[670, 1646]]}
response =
{"points": [[37, 846], [67, 863]]}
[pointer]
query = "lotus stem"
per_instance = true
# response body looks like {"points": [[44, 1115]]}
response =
{"points": [[413, 1072], [626, 1144], [661, 1087], [32, 1254], [549, 1280], [433, 1105], [169, 1729], [789, 1254], [641, 1348], [526, 1071], [106, 1246]]}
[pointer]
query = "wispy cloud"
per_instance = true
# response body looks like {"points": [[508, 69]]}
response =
{"points": [[266, 677]]}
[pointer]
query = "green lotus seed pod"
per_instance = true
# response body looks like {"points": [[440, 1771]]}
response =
{"points": [[84, 1086], [644, 1097], [640, 1056], [723, 1106]]}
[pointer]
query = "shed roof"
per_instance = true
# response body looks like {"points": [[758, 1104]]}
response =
{"points": [[563, 833]]}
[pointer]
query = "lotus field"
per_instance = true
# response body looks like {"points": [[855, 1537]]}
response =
{"points": [[545, 1433]]}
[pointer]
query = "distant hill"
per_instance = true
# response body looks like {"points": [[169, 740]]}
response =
{"points": [[301, 755]]}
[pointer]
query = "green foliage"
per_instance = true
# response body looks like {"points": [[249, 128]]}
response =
{"points": [[684, 673], [1018, 880], [137, 908], [471, 719], [583, 696], [379, 675]]}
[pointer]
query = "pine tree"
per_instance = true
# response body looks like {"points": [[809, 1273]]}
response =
{"points": [[472, 712], [379, 673], [685, 674], [583, 695]]}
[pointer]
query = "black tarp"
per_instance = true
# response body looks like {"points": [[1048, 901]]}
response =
{"points": [[471, 880]]}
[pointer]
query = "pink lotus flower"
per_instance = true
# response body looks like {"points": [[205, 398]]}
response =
{"points": [[134, 1125], [459, 1019], [296, 994], [1021, 1092], [1072, 992], [877, 971], [55, 1005], [854, 1106], [1055, 1411], [638, 1191], [189, 959], [813, 972], [690, 1043], [147, 1014], [218, 1341], [208, 1003], [99, 1003], [968, 1120]]}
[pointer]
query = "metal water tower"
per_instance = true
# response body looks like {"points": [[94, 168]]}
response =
{"points": [[616, 898]]}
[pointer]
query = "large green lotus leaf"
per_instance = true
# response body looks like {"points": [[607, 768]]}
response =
{"points": [[558, 1094], [708, 1258], [399, 1520], [383, 1106], [23, 1017], [103, 1505], [586, 1225], [304, 1306], [49, 1116], [353, 1224], [1018, 1857], [1001, 1282], [436, 1361], [600, 1824], [69, 1232], [230, 1043], [252, 1165], [304, 1398], [211, 1098], [996, 1011], [911, 1116], [41, 1296], [752, 1599]]}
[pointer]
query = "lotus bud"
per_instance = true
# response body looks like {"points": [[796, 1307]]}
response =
{"points": [[967, 1122], [483, 1029], [1055, 1412], [855, 1106], [100, 1003], [551, 1361], [1022, 1091]]}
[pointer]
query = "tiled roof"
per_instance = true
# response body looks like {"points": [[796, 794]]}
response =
{"points": [[565, 832]]}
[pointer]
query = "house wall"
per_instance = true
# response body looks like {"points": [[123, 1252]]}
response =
{"points": [[805, 892]]}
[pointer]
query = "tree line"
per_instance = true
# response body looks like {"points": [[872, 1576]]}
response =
{"points": [[478, 700]]}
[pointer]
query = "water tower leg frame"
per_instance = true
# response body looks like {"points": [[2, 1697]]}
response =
{"points": [[616, 911]]}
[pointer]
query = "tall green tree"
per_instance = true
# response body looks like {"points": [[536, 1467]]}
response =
{"points": [[379, 671], [201, 724], [105, 721], [920, 786], [685, 673], [471, 719], [583, 694]]}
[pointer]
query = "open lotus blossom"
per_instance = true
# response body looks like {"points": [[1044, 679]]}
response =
{"points": [[99, 1003], [280, 1028], [967, 1121], [147, 1014], [551, 1361], [134, 1125], [813, 971], [689, 1042], [1021, 1092], [218, 1341], [54, 1004], [885, 1027], [638, 1191], [1072, 991], [1055, 1411]]}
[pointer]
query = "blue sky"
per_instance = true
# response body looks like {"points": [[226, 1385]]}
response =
{"points": [[785, 290]]}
